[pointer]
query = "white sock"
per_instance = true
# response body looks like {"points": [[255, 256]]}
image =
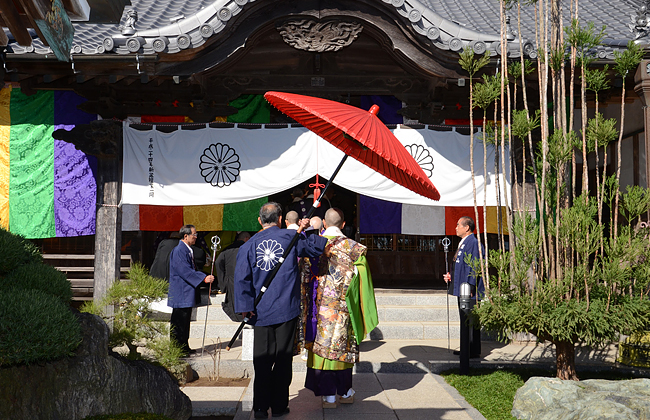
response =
{"points": [[348, 394], [329, 398]]}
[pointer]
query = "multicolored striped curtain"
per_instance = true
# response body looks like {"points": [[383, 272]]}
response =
{"points": [[47, 187], [207, 218], [386, 217]]}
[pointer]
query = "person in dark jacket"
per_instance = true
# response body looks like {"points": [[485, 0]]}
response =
{"points": [[184, 278], [462, 273], [299, 204], [225, 268], [160, 265], [275, 318]]}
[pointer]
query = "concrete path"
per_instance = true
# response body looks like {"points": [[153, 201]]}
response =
{"points": [[395, 379]]}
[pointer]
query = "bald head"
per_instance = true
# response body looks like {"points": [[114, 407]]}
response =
{"points": [[291, 217], [243, 236], [316, 222], [334, 218]]}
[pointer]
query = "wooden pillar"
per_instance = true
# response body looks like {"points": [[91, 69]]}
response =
{"points": [[642, 88], [108, 226], [103, 139]]}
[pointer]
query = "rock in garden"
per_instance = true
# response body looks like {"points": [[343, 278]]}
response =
{"points": [[92, 382], [555, 399]]}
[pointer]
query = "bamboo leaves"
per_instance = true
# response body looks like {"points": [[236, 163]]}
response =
{"points": [[470, 63], [570, 276], [629, 59]]}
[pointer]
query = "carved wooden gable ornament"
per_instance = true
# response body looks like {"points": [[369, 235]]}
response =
{"points": [[315, 36]]}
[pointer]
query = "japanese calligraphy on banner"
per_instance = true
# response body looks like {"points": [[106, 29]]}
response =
{"points": [[229, 165]]}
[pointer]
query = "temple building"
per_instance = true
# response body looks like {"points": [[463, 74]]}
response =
{"points": [[91, 87]]}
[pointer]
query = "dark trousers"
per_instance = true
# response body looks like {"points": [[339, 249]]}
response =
{"points": [[328, 382], [180, 327], [474, 332], [272, 360]]}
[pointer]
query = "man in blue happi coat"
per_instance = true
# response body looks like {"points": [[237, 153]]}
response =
{"points": [[184, 279], [462, 273], [275, 318]]}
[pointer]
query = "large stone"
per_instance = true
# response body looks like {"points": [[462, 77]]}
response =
{"points": [[92, 382], [555, 399]]}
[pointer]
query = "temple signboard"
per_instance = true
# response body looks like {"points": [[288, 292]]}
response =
{"points": [[56, 28]]}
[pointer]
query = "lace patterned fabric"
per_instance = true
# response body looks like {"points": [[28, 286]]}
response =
{"points": [[243, 216], [162, 218], [75, 191], [31, 178], [5, 127], [130, 217], [205, 218]]}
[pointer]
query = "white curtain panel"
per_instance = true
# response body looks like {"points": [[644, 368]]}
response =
{"points": [[228, 165]]}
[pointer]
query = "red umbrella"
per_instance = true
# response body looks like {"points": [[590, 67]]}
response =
{"points": [[358, 133]]}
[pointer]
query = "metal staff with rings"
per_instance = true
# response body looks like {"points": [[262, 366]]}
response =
{"points": [[216, 246], [445, 244]]}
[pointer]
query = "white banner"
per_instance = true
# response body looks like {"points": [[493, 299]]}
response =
{"points": [[228, 165]]}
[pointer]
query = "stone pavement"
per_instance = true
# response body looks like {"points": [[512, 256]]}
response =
{"points": [[395, 379]]}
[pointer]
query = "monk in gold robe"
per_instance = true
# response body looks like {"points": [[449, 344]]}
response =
{"points": [[340, 311]]}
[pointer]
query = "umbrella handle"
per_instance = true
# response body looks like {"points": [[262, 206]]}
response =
{"points": [[293, 242], [329, 182]]}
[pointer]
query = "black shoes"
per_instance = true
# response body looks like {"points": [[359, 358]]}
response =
{"points": [[286, 411]]}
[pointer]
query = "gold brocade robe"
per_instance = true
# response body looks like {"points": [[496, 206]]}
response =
{"points": [[335, 339]]}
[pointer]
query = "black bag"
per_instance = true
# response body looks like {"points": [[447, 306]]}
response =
{"points": [[201, 295]]}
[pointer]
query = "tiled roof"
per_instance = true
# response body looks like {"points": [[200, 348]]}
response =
{"points": [[173, 25]]}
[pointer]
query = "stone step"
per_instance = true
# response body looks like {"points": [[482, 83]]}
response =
{"points": [[391, 307], [390, 313], [215, 312], [386, 330], [409, 330], [402, 315], [222, 330], [385, 313], [385, 297], [415, 299]]}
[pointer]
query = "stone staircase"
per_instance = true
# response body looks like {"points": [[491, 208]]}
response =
{"points": [[403, 315], [415, 315]]}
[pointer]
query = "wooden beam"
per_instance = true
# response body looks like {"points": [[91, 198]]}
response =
{"points": [[4, 39], [15, 24], [35, 11]]}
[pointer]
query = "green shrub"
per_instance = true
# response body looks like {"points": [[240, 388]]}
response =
{"points": [[134, 330], [35, 327], [39, 277], [129, 416], [16, 251]]}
